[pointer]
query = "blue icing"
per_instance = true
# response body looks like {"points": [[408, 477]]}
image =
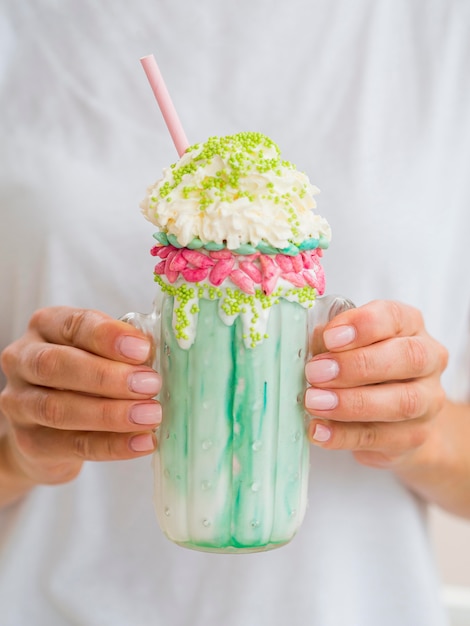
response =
{"points": [[323, 243], [161, 238], [212, 246], [174, 241], [265, 248], [195, 243], [245, 249], [309, 244], [291, 250]]}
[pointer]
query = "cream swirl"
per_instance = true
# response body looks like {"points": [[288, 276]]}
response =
{"points": [[235, 190]]}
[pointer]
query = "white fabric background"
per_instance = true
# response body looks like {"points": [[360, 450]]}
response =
{"points": [[372, 99]]}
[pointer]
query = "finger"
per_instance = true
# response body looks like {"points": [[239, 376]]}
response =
{"points": [[386, 437], [92, 331], [370, 323], [316, 341], [389, 402], [402, 358], [66, 410], [64, 367], [41, 444]]}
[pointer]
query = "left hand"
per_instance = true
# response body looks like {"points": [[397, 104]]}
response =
{"points": [[376, 391]]}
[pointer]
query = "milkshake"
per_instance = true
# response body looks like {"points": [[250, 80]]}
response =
{"points": [[238, 249]]}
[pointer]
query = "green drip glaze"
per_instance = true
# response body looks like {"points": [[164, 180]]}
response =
{"points": [[232, 304]]}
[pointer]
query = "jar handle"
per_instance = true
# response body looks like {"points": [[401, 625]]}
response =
{"points": [[323, 311], [149, 324]]}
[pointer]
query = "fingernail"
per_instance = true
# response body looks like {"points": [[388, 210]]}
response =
{"points": [[321, 433], [147, 383], [142, 443], [321, 371], [339, 337], [134, 348], [320, 400], [146, 414]]}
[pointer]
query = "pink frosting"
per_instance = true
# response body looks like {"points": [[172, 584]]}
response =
{"points": [[247, 272]]}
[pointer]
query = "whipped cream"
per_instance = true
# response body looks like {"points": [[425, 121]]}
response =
{"points": [[233, 191]]}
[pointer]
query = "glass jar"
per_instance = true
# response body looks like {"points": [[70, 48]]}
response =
{"points": [[232, 462]]}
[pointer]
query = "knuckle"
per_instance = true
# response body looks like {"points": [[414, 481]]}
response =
{"points": [[95, 447], [8, 359], [81, 446], [358, 405], [44, 363], [104, 376], [398, 321], [401, 316], [415, 355], [109, 413], [110, 450], [410, 404], [38, 317], [74, 324], [366, 437], [363, 365], [50, 410]]}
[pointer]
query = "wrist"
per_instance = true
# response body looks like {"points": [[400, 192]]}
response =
{"points": [[439, 470]]}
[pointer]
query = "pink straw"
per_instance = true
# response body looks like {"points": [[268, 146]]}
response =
{"points": [[165, 103]]}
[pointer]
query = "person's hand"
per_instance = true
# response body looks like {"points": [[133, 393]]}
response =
{"points": [[376, 389], [77, 389]]}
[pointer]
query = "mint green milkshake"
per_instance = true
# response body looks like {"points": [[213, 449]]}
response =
{"points": [[239, 269], [233, 459]]}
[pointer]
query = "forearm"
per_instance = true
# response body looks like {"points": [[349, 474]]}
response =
{"points": [[439, 471]]}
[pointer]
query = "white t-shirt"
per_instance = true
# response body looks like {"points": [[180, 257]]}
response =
{"points": [[372, 100]]}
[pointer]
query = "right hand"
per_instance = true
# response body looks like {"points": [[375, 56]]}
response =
{"points": [[78, 389]]}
